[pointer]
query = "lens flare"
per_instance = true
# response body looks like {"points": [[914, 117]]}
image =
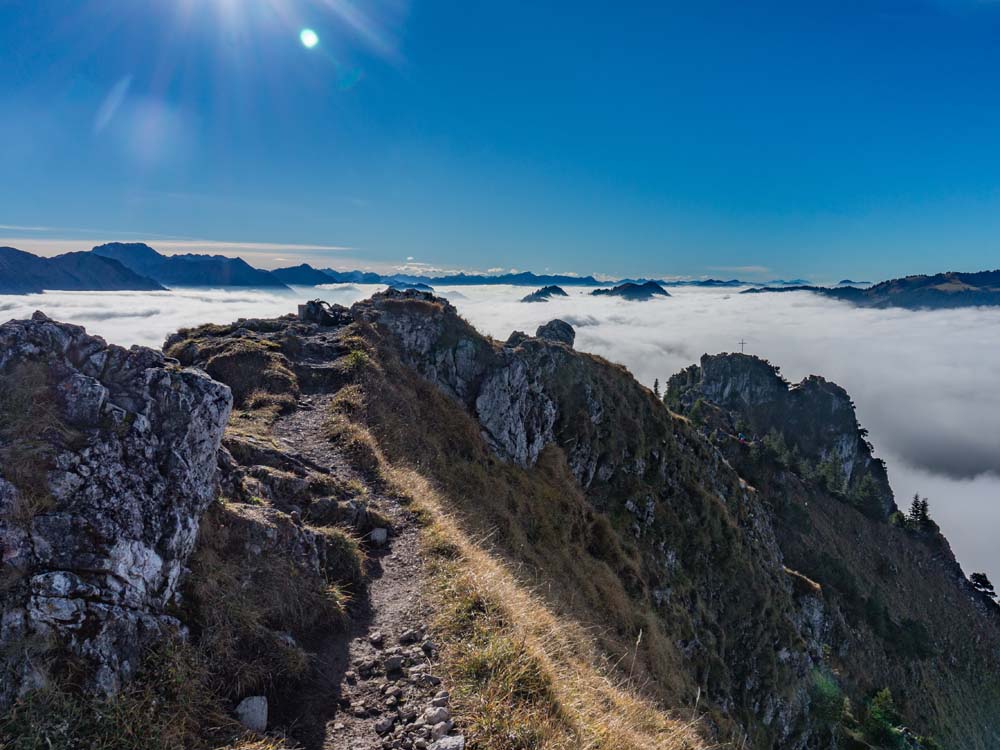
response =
{"points": [[309, 38]]}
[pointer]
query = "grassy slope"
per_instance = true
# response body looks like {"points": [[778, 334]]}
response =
{"points": [[574, 550], [525, 673]]}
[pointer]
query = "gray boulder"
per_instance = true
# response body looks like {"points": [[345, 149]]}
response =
{"points": [[557, 330], [102, 489], [252, 713]]}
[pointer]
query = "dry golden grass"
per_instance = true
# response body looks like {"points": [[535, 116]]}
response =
{"points": [[524, 677], [239, 605], [172, 703], [30, 429]]}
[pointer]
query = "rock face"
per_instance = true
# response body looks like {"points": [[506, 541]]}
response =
{"points": [[815, 418], [101, 495], [504, 386], [557, 330]]}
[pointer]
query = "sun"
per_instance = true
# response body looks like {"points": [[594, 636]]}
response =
{"points": [[309, 38]]}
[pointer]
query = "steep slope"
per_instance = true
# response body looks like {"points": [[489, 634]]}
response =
{"points": [[24, 273], [186, 270], [814, 421], [899, 613], [615, 508]]}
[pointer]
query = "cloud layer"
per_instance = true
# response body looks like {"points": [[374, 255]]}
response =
{"points": [[924, 382]]}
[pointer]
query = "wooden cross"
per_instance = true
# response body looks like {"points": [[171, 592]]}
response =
{"points": [[742, 344]]}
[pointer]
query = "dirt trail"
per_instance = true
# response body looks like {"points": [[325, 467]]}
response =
{"points": [[380, 691]]}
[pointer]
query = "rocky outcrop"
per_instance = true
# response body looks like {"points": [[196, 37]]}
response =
{"points": [[545, 294], [102, 488], [422, 323], [322, 313], [814, 418], [503, 385], [632, 291], [557, 330]]}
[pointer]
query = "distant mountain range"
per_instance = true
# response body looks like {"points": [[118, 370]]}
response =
{"points": [[24, 273], [939, 291], [196, 270], [189, 269], [137, 266]]}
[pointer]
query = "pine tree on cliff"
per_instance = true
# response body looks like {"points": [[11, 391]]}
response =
{"points": [[656, 388], [919, 517]]}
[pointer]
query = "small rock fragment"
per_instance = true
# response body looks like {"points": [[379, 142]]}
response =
{"points": [[252, 713], [409, 636], [440, 729], [436, 714]]}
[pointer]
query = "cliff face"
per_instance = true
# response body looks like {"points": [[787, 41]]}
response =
{"points": [[108, 463], [814, 420], [898, 611]]}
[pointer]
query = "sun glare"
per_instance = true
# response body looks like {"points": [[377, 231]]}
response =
{"points": [[309, 38]]}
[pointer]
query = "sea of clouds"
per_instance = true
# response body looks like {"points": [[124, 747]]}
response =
{"points": [[925, 383]]}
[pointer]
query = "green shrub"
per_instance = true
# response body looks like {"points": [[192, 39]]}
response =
{"points": [[881, 720], [827, 698]]}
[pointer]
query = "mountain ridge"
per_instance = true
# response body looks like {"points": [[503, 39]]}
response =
{"points": [[189, 269], [24, 273], [951, 289], [741, 549]]}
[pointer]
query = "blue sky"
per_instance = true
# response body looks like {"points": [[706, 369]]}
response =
{"points": [[818, 139]]}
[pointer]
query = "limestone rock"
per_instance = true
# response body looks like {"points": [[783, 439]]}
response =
{"points": [[557, 330], [814, 417], [94, 549], [455, 742]]}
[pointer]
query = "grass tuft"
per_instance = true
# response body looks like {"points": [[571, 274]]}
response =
{"points": [[31, 429]]}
